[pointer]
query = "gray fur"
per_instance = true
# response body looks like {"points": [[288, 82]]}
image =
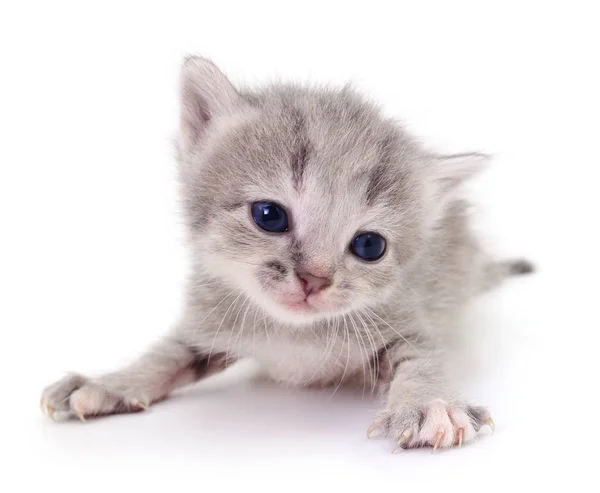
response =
{"points": [[339, 168]]}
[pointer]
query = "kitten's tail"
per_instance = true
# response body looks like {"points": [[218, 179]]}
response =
{"points": [[496, 272]]}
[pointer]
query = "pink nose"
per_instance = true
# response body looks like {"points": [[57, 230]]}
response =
{"points": [[312, 284]]}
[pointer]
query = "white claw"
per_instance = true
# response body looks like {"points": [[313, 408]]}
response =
{"points": [[461, 432], [374, 426], [142, 406], [438, 439], [491, 424], [404, 438]]}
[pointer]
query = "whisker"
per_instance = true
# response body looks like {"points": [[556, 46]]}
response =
{"points": [[374, 323], [242, 327], [337, 360], [347, 333], [360, 341], [375, 356], [232, 330], [219, 328], [217, 306], [266, 329], [254, 332], [394, 330], [329, 345], [209, 282]]}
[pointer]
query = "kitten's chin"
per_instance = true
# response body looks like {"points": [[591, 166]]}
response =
{"points": [[297, 316], [299, 307], [301, 312]]}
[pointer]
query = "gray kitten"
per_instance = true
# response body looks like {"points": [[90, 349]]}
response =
{"points": [[327, 244]]}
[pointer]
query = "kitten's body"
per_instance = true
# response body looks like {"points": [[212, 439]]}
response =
{"points": [[339, 168]]}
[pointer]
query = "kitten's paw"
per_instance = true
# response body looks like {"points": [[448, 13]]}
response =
{"points": [[437, 424], [80, 397]]}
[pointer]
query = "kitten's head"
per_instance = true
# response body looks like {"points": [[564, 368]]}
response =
{"points": [[306, 199]]}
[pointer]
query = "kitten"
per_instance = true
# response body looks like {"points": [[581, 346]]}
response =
{"points": [[327, 244]]}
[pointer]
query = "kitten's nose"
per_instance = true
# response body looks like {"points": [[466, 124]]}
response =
{"points": [[312, 284]]}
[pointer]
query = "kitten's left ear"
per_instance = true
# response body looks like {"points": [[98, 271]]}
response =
{"points": [[206, 95], [449, 172], [445, 175]]}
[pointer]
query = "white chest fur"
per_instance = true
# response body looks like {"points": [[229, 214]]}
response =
{"points": [[294, 361]]}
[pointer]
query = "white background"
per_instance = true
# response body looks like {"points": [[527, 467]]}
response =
{"points": [[92, 259]]}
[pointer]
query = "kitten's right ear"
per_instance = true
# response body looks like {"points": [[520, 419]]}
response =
{"points": [[206, 94]]}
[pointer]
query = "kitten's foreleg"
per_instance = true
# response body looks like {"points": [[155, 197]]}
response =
{"points": [[168, 365], [421, 409]]}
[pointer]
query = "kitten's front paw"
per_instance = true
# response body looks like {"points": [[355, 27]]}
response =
{"points": [[77, 396], [437, 424]]}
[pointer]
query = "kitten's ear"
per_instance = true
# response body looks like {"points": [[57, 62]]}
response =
{"points": [[446, 174], [449, 172], [206, 94]]}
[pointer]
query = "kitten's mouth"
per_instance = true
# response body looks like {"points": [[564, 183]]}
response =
{"points": [[302, 306], [311, 304]]}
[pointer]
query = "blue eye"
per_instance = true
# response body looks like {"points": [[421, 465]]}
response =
{"points": [[368, 246], [270, 217]]}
